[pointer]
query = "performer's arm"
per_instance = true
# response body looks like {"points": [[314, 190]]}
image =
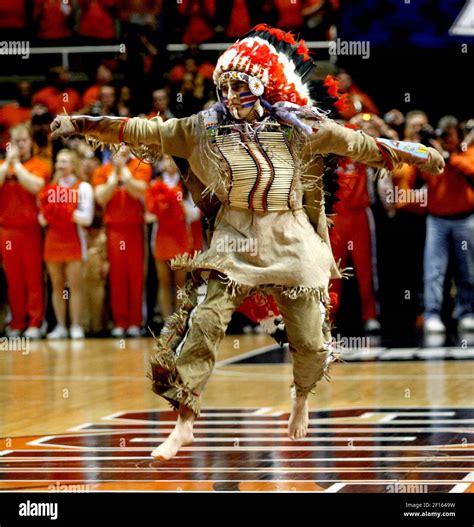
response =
{"points": [[331, 138], [175, 137]]}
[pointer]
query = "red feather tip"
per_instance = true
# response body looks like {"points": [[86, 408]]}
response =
{"points": [[341, 103], [333, 86]]}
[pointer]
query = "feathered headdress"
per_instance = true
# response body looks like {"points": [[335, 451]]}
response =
{"points": [[272, 62]]}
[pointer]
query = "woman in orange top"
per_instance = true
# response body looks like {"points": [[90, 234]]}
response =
{"points": [[66, 207], [177, 230]]}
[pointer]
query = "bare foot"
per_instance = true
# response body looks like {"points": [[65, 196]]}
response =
{"points": [[298, 423], [182, 435]]}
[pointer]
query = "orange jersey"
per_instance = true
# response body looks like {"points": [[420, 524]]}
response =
{"points": [[352, 193], [18, 206], [122, 208], [55, 100], [452, 192], [12, 14]]}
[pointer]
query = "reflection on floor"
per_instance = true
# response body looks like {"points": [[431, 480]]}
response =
{"points": [[347, 450]]}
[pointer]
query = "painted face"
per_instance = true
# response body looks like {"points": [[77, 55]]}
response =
{"points": [[238, 98]]}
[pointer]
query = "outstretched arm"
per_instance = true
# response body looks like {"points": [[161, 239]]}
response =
{"points": [[175, 137], [331, 138]]}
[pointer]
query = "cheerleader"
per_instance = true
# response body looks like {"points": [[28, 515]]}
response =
{"points": [[119, 188], [177, 231], [22, 176], [67, 206]]}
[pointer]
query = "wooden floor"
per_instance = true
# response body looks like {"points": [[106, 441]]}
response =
{"points": [[81, 415]]}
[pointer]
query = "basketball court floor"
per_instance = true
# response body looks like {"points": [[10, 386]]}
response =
{"points": [[80, 416]]}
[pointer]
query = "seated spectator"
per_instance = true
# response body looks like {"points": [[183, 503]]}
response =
{"points": [[92, 94], [161, 102], [106, 105], [57, 96]]}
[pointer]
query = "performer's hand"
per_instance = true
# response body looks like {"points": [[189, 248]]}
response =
{"points": [[62, 126], [435, 163]]}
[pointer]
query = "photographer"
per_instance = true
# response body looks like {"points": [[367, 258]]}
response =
{"points": [[450, 220]]}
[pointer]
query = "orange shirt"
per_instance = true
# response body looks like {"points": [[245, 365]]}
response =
{"points": [[55, 101], [122, 208], [91, 95], [18, 207], [352, 192], [96, 19], [451, 192], [52, 19], [12, 14]]}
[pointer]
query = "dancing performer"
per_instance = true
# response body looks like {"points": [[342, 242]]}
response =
{"points": [[260, 151]]}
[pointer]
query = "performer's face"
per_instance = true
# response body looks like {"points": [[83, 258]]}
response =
{"points": [[237, 96]]}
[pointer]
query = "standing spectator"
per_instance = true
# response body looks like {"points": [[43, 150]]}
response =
{"points": [[13, 19], [67, 206], [353, 234], [119, 187], [356, 101], [98, 19], [450, 221], [53, 18], [58, 96], [199, 16], [22, 176], [410, 221]]}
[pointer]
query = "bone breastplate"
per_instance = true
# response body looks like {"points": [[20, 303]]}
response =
{"points": [[261, 169]]}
